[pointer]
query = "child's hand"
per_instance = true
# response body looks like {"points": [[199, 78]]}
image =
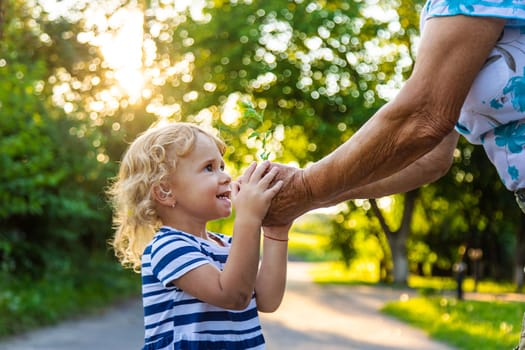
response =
{"points": [[253, 192]]}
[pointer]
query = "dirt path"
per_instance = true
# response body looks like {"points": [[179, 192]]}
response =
{"points": [[311, 317], [338, 317]]}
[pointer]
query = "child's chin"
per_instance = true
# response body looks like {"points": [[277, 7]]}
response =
{"points": [[226, 214]]}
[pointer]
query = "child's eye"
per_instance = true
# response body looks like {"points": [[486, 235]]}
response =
{"points": [[222, 167], [209, 167]]}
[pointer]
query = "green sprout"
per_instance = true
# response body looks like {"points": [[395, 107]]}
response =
{"points": [[249, 112]]}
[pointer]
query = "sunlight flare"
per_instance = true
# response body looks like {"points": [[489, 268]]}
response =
{"points": [[123, 51]]}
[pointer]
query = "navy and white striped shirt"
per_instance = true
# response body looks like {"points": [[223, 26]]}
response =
{"points": [[174, 319]]}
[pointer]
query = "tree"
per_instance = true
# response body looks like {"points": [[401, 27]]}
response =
{"points": [[307, 65], [51, 179], [397, 239], [471, 207], [317, 70], [519, 266]]}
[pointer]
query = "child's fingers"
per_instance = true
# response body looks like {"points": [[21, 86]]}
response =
{"points": [[271, 190], [276, 187], [260, 171], [235, 188], [248, 172], [241, 179], [269, 177]]}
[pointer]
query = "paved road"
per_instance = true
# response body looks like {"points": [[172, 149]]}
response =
{"points": [[311, 317], [314, 317], [118, 328]]}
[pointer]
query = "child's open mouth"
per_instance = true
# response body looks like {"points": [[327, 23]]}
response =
{"points": [[225, 195]]}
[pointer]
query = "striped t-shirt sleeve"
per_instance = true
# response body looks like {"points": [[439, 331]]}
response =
{"points": [[172, 257]]}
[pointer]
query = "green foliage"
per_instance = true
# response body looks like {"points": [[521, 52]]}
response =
{"points": [[308, 242], [249, 112], [51, 180], [307, 65], [343, 239], [470, 207], [29, 303], [310, 247], [467, 325]]}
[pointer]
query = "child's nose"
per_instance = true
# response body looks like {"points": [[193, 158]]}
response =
{"points": [[226, 178]]}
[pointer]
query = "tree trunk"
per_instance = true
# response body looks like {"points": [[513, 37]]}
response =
{"points": [[397, 239], [520, 255], [399, 257]]}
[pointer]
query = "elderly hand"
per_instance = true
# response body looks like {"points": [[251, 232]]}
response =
{"points": [[293, 200]]}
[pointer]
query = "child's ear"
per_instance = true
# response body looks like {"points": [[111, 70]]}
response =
{"points": [[163, 194]]}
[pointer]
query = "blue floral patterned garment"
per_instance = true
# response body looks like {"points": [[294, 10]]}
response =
{"points": [[494, 111]]}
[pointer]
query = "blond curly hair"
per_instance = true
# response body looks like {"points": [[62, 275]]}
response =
{"points": [[147, 162]]}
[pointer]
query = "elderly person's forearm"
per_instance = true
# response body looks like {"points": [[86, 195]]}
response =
{"points": [[427, 169], [451, 53]]}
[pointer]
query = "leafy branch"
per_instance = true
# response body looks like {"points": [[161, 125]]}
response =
{"points": [[249, 112]]}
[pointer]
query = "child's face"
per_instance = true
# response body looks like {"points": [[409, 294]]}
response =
{"points": [[200, 185]]}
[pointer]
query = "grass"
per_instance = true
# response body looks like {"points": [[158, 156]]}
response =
{"points": [[448, 283], [310, 247], [27, 303], [466, 325], [335, 272]]}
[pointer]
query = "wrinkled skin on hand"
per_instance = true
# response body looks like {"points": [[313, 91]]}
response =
{"points": [[293, 200]]}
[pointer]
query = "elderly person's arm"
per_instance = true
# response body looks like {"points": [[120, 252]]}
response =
{"points": [[429, 168], [451, 53]]}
